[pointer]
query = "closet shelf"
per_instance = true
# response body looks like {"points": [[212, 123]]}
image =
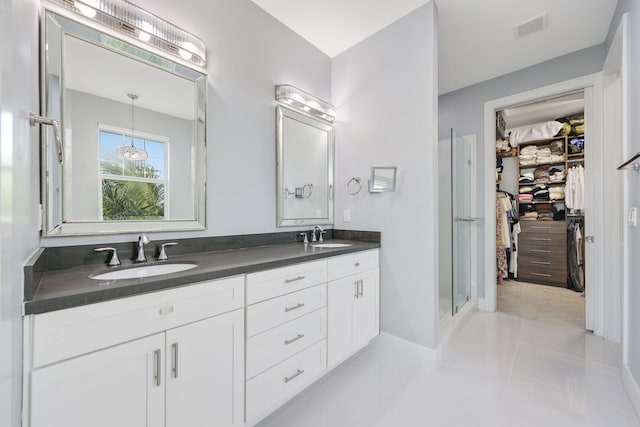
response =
{"points": [[575, 155], [530, 184], [542, 141], [561, 162], [533, 202]]}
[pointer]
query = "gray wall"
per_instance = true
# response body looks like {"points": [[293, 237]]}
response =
{"points": [[385, 92], [248, 53], [632, 180], [87, 112], [18, 188], [463, 109]]}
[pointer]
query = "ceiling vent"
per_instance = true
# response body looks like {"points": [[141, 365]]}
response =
{"points": [[530, 26]]}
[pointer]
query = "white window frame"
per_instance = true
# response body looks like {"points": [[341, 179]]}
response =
{"points": [[103, 127]]}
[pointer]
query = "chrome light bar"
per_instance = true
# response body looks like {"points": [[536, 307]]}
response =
{"points": [[300, 100]]}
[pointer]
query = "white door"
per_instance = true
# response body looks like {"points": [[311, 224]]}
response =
{"points": [[205, 372], [365, 315], [341, 295], [120, 386]]}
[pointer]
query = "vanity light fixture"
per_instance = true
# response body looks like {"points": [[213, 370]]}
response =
{"points": [[132, 152], [300, 100], [127, 18]]}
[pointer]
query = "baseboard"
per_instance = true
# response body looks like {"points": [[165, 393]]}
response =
{"points": [[427, 355], [633, 388], [450, 330]]}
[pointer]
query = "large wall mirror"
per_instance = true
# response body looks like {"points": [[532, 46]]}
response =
{"points": [[132, 155], [305, 169]]}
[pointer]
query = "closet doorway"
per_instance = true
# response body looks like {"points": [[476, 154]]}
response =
{"points": [[540, 213], [603, 314]]}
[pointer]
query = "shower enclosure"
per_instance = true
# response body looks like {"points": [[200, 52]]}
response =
{"points": [[463, 220]]}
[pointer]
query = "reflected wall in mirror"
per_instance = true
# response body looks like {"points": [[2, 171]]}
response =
{"points": [[383, 179], [109, 93], [305, 169]]}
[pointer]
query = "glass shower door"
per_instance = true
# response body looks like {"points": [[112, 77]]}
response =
{"points": [[463, 221]]}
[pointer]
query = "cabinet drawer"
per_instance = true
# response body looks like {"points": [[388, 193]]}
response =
{"points": [[273, 283], [347, 265], [277, 311], [543, 227], [542, 265], [549, 277], [67, 333], [284, 380], [549, 239], [546, 253], [273, 346]]}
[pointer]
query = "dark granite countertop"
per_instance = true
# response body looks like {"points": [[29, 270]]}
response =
{"points": [[72, 287]]}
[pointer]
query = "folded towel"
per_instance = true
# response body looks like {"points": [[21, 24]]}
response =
{"points": [[529, 149]]}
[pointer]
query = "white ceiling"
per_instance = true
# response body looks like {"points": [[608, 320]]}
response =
{"points": [[476, 37]]}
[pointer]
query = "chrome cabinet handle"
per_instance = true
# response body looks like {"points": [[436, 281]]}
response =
{"points": [[361, 284], [295, 307], [542, 228], [355, 287], [356, 264], [540, 250], [295, 279], [540, 262], [174, 366], [158, 361], [294, 376], [540, 274], [544, 240], [292, 340]]}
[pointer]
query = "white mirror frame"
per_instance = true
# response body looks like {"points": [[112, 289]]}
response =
{"points": [[282, 221], [124, 227]]}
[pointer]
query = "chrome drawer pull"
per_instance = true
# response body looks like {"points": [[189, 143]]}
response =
{"points": [[356, 264], [295, 307], [158, 374], [292, 340], [294, 376], [540, 250], [536, 238], [540, 274], [540, 262], [174, 368], [542, 228], [295, 279]]}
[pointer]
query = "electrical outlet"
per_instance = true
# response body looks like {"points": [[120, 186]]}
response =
{"points": [[347, 215], [632, 216]]}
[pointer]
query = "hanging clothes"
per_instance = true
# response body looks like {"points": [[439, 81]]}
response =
{"points": [[574, 188], [513, 265], [575, 254]]}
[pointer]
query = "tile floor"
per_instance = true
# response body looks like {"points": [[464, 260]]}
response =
{"points": [[503, 370]]}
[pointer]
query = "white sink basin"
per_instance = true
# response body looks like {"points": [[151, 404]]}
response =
{"points": [[330, 245], [144, 271]]}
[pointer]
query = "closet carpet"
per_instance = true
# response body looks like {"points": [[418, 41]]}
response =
{"points": [[539, 302]]}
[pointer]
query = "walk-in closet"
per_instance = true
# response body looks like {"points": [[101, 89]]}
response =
{"points": [[540, 216]]}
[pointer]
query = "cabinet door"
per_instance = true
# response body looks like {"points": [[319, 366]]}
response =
{"points": [[120, 386], [340, 332], [365, 314], [205, 372]]}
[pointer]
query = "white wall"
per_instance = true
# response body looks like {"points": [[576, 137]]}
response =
{"points": [[18, 187], [463, 109], [385, 92], [248, 53]]}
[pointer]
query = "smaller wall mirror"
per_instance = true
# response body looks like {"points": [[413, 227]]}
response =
{"points": [[304, 169], [383, 179]]}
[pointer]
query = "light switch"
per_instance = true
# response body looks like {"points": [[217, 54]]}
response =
{"points": [[632, 217], [347, 215]]}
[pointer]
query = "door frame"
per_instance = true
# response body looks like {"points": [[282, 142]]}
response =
{"points": [[592, 86]]}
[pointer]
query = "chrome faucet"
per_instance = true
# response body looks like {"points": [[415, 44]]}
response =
{"points": [[142, 240], [320, 231]]}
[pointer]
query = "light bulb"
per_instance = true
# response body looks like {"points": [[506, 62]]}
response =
{"points": [[185, 54], [145, 37], [86, 10]]}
